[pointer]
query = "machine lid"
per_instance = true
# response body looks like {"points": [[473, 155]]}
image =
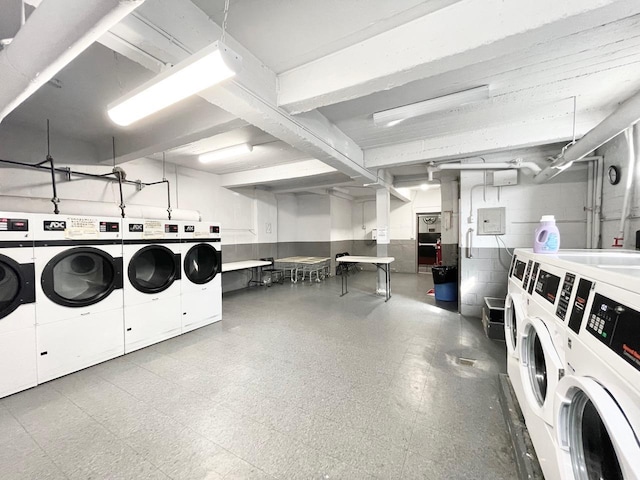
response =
{"points": [[16, 285], [594, 433], [153, 269], [202, 263], [81, 276]]}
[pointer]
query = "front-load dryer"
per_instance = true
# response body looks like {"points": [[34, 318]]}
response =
{"points": [[597, 404], [201, 284], [78, 263], [152, 310], [17, 304]]}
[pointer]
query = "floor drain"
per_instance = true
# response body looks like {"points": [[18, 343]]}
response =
{"points": [[468, 362]]}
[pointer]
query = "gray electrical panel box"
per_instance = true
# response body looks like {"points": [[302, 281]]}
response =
{"points": [[492, 221]]}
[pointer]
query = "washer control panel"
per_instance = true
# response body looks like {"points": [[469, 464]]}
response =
{"points": [[14, 225], [547, 286], [565, 295], [534, 274], [527, 275], [617, 326], [518, 270]]}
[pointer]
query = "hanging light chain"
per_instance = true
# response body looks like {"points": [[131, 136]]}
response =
{"points": [[224, 21]]}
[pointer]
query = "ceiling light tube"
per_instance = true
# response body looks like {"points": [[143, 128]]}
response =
{"points": [[201, 70], [394, 116], [228, 152]]}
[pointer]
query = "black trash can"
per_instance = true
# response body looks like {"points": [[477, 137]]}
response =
{"points": [[445, 282]]}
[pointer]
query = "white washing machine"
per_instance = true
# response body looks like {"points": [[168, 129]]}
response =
{"points": [[533, 362], [597, 403], [78, 263], [556, 295], [152, 310], [201, 284], [17, 304]]}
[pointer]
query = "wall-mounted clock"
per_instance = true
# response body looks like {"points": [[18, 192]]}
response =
{"points": [[614, 175]]}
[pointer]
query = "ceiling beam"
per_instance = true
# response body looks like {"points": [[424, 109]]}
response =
{"points": [[170, 31], [540, 131], [287, 171], [465, 33], [178, 130]]}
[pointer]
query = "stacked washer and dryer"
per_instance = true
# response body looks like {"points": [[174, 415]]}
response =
{"points": [[76, 291], [572, 324]]}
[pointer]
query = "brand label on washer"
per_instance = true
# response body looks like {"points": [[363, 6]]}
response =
{"points": [[189, 228], [55, 225], [136, 227]]}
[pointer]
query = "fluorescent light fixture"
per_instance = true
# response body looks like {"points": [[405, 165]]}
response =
{"points": [[396, 115], [201, 70], [233, 151]]}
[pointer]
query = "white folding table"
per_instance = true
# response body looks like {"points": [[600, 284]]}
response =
{"points": [[381, 263], [247, 265]]}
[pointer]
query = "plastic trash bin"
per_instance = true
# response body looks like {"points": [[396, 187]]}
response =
{"points": [[445, 282]]}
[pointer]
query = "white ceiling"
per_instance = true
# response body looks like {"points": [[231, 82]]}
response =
{"points": [[294, 55], [285, 34]]}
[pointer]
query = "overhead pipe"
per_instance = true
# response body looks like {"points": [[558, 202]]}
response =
{"points": [[624, 117], [117, 173], [517, 164], [54, 34], [631, 135]]}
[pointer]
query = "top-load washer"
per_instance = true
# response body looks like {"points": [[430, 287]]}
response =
{"points": [[78, 263], [151, 252], [201, 284], [17, 307]]}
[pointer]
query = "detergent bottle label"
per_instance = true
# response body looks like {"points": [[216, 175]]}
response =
{"points": [[552, 243]]}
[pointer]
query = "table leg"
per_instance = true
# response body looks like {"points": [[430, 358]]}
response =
{"points": [[387, 276], [345, 283]]}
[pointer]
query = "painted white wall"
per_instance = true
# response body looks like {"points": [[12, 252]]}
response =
{"points": [[24, 144], [314, 218], [287, 205], [403, 215], [341, 219], [615, 153], [564, 197]]}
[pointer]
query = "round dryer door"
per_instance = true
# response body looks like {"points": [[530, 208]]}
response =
{"points": [[201, 263], [153, 269], [79, 277], [595, 439], [16, 285], [541, 365]]}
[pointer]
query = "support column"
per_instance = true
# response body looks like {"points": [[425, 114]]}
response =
{"points": [[383, 214]]}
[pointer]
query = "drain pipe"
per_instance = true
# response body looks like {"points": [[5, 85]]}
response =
{"points": [[625, 116], [631, 136]]}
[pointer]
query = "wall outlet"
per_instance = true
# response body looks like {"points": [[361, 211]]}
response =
{"points": [[267, 227], [492, 221]]}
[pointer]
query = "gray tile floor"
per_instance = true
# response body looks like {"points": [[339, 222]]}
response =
{"points": [[295, 383]]}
